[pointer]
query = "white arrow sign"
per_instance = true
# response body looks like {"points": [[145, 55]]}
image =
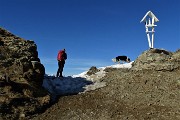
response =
{"points": [[149, 19]]}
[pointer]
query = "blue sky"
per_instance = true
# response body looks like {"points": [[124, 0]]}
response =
{"points": [[92, 31]]}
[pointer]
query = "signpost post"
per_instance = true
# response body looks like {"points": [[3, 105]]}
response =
{"points": [[149, 19]]}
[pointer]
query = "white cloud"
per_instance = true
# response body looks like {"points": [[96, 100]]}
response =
{"points": [[77, 62], [48, 61], [80, 68], [73, 66], [89, 62]]}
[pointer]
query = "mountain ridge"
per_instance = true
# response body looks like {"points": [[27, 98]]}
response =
{"points": [[137, 93], [147, 90]]}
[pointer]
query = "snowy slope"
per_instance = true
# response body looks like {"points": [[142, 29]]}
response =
{"points": [[78, 83]]}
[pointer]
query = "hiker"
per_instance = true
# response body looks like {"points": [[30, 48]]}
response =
{"points": [[61, 57]]}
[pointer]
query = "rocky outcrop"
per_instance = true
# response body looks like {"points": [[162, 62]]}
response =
{"points": [[157, 59], [17, 58], [21, 74], [92, 71]]}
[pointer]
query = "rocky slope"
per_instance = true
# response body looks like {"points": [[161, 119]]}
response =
{"points": [[21, 77], [149, 90]]}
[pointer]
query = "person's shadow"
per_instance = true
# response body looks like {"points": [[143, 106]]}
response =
{"points": [[65, 86]]}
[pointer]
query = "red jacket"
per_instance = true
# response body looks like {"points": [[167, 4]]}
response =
{"points": [[61, 55]]}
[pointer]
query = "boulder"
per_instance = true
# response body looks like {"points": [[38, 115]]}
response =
{"points": [[92, 71], [157, 59]]}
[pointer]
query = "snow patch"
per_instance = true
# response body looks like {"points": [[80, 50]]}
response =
{"points": [[78, 83]]}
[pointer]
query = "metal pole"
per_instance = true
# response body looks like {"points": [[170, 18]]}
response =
{"points": [[152, 37], [148, 37], [153, 32]]}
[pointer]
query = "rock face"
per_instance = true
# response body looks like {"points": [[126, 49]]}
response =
{"points": [[21, 73], [157, 59], [19, 59]]}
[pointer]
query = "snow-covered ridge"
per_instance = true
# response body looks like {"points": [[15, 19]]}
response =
{"points": [[78, 83]]}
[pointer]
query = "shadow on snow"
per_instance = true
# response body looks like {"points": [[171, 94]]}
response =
{"points": [[65, 86]]}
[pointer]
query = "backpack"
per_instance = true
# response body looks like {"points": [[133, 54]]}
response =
{"points": [[60, 55]]}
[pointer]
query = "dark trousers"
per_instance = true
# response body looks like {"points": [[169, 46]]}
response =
{"points": [[60, 68]]}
